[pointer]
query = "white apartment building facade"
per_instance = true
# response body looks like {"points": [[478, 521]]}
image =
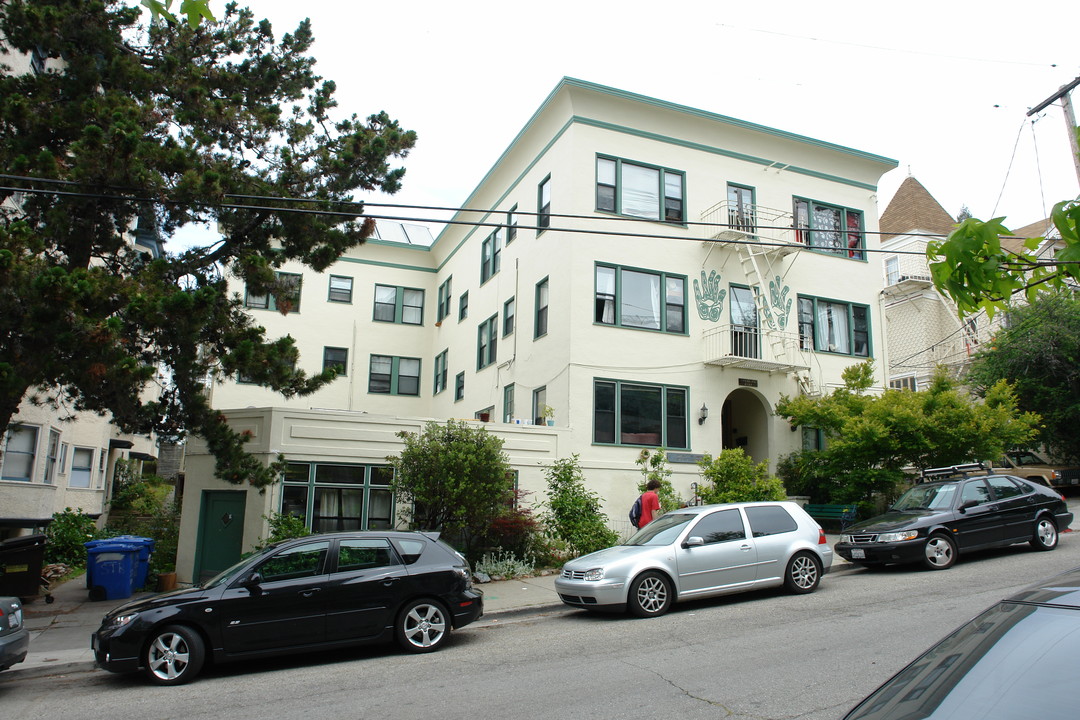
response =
{"points": [[656, 275]]}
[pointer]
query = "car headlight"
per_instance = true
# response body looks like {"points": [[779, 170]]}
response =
{"points": [[846, 539], [594, 574], [898, 536], [121, 620]]}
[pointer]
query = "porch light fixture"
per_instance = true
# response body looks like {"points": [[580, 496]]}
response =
{"points": [[702, 414]]}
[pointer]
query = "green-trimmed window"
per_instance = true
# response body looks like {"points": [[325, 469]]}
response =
{"points": [[290, 299], [539, 404], [629, 413], [508, 403], [444, 299], [340, 289], [829, 228], [642, 191], [487, 339], [540, 319], [491, 255], [336, 358], [463, 306], [399, 305], [336, 497], [391, 375], [642, 299], [509, 309], [441, 371], [459, 386], [511, 225], [543, 205], [835, 327]]}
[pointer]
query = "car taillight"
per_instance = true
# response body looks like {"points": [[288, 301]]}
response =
{"points": [[822, 540]]}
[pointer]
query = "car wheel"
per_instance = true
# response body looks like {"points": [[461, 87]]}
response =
{"points": [[423, 626], [803, 574], [650, 595], [1046, 534], [174, 655], [939, 553]]}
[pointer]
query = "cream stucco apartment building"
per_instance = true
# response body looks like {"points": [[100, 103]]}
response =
{"points": [[655, 274]]}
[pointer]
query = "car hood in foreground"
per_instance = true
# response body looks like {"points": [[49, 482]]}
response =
{"points": [[896, 520], [175, 597]]}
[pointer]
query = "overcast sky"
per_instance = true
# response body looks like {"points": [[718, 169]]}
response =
{"points": [[941, 87]]}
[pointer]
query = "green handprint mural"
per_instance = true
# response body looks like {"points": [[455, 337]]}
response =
{"points": [[710, 296], [778, 308]]}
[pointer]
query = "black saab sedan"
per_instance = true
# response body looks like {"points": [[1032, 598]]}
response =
{"points": [[310, 593], [936, 521]]}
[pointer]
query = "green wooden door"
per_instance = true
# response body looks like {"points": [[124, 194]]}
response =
{"points": [[221, 531]]}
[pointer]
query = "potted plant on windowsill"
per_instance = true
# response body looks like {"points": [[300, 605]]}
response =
{"points": [[548, 413]]}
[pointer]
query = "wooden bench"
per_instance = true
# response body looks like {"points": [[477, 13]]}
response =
{"points": [[844, 513]]}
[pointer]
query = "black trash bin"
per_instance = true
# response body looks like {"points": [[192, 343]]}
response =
{"points": [[21, 559]]}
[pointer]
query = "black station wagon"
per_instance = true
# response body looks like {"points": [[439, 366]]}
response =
{"points": [[310, 593]]}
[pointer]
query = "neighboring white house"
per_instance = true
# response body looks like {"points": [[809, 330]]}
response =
{"points": [[54, 458], [924, 330], [655, 274]]}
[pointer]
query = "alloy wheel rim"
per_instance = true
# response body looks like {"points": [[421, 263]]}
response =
{"points": [[938, 552], [803, 572], [169, 656], [424, 625], [652, 594], [1047, 533]]}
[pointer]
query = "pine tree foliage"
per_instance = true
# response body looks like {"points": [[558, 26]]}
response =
{"points": [[157, 128]]}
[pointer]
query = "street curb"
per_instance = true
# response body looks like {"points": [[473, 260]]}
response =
{"points": [[37, 671]]}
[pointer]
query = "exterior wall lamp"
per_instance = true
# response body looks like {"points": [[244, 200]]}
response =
{"points": [[702, 414]]}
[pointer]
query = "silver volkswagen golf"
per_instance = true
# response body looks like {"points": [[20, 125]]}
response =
{"points": [[701, 552]]}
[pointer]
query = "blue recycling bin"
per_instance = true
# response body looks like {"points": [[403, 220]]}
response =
{"points": [[114, 566], [142, 566]]}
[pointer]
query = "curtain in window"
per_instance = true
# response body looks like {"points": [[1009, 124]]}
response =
{"points": [[676, 304], [605, 295], [82, 461], [641, 190], [19, 455], [385, 303], [833, 326], [640, 306], [827, 228], [412, 308], [409, 376]]}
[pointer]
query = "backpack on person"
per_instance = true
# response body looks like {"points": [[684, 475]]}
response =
{"points": [[635, 512]]}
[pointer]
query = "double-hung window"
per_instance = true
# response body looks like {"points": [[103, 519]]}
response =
{"points": [[459, 386], [540, 321], [463, 306], [287, 300], [508, 317], [508, 403], [441, 371], [543, 205], [643, 191], [445, 298], [340, 289], [511, 225], [20, 453], [491, 255], [629, 413], [82, 467], [391, 375], [829, 228], [836, 327], [487, 338], [640, 299], [399, 305]]}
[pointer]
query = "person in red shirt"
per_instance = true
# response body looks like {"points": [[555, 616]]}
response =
{"points": [[650, 503]]}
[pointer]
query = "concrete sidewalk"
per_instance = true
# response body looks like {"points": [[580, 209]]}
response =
{"points": [[60, 631]]}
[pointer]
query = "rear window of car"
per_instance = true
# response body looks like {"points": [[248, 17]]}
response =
{"points": [[1005, 488], [770, 520], [410, 550]]}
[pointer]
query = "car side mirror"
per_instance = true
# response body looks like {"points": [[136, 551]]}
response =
{"points": [[252, 581], [693, 542], [969, 504]]}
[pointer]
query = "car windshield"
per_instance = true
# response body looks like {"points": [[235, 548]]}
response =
{"points": [[927, 497], [661, 531], [226, 576]]}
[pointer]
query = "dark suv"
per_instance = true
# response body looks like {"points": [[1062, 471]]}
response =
{"points": [[953, 511], [310, 593]]}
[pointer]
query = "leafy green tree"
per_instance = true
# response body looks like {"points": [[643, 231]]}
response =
{"points": [[871, 438], [572, 512], [457, 478], [150, 130], [973, 269], [653, 466], [733, 476], [1039, 354]]}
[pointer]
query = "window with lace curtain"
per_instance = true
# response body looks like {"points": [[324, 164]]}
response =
{"points": [[335, 497]]}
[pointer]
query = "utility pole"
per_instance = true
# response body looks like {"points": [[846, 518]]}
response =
{"points": [[1070, 119]]}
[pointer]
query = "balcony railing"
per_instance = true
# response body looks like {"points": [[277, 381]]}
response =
{"points": [[733, 221], [754, 349]]}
